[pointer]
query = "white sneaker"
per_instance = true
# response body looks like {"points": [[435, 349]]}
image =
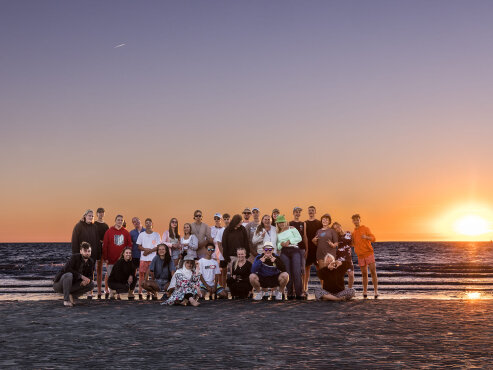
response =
{"points": [[278, 296], [258, 296]]}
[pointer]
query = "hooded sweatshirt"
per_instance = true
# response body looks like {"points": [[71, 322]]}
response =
{"points": [[114, 243]]}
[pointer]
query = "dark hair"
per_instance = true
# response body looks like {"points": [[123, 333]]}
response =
{"points": [[235, 221], [167, 256], [148, 219], [272, 214], [326, 216], [226, 215], [189, 225], [174, 232], [85, 245], [119, 216], [100, 210], [336, 223], [312, 207], [210, 244], [261, 226], [197, 210], [123, 252], [356, 215]]}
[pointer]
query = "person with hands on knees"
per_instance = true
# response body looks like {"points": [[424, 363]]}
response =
{"points": [[210, 274], [268, 272], [122, 276], [161, 271], [75, 278]]}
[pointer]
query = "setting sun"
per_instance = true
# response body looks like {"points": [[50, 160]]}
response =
{"points": [[471, 225]]}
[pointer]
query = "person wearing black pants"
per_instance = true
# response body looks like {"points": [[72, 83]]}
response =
{"points": [[122, 278]]}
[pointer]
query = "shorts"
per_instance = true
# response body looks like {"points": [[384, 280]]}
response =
{"points": [[144, 266], [311, 258], [365, 261], [219, 288], [269, 281]]}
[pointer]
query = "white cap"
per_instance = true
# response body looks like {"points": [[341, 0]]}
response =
{"points": [[218, 215]]}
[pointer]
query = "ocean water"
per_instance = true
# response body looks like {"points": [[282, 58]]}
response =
{"points": [[432, 270]]}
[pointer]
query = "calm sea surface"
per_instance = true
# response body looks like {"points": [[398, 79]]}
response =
{"points": [[440, 270]]}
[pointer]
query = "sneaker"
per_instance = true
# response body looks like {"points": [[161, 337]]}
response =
{"points": [[278, 296], [258, 296]]}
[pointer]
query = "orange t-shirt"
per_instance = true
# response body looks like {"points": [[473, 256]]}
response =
{"points": [[362, 247]]}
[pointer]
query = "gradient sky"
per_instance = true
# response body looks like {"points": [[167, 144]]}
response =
{"points": [[376, 107]]}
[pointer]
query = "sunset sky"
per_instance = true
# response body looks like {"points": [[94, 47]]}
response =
{"points": [[382, 108]]}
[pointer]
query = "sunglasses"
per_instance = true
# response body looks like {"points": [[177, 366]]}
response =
{"points": [[198, 216], [174, 222], [210, 250], [268, 249], [217, 218], [247, 213]]}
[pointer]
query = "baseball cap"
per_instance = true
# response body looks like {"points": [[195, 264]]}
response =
{"points": [[247, 210], [218, 215]]}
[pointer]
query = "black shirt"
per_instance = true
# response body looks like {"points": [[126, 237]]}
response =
{"points": [[234, 239], [121, 271], [300, 226], [311, 229], [78, 267]]}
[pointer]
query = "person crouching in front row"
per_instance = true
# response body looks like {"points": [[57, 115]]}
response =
{"points": [[210, 274], [75, 278], [122, 276], [161, 271], [332, 273], [268, 271]]}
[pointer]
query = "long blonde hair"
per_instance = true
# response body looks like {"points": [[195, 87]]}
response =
{"points": [[236, 262], [83, 219]]}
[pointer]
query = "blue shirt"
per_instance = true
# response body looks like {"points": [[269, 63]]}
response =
{"points": [[160, 272], [134, 234]]}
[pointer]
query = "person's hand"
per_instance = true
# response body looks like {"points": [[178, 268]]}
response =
{"points": [[130, 279], [263, 233], [285, 244], [365, 237], [272, 259], [84, 281], [263, 258], [234, 277]]}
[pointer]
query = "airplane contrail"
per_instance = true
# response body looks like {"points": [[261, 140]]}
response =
{"points": [[119, 46]]}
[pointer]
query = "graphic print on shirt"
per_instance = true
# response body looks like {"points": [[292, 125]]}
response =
{"points": [[118, 239]]}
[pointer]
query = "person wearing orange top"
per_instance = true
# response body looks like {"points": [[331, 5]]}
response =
{"points": [[362, 239]]}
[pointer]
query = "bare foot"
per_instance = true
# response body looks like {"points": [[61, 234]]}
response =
{"points": [[67, 304], [193, 302], [71, 297], [184, 302]]}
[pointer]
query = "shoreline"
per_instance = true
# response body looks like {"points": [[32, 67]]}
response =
{"points": [[355, 334]]}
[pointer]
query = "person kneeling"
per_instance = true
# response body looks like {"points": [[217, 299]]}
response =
{"points": [[332, 274], [122, 277], [268, 271], [210, 274], [161, 271], [75, 278], [239, 282], [185, 284]]}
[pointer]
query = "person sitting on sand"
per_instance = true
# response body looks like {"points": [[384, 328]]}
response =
{"points": [[239, 282], [122, 276], [185, 284], [210, 274], [161, 271], [362, 239], [331, 272], [75, 278], [268, 271], [345, 241]]}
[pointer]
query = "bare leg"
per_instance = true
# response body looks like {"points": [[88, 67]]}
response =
{"points": [[283, 281], [306, 278], [350, 280], [364, 274], [141, 280], [330, 297], [99, 272], [374, 277], [255, 282]]}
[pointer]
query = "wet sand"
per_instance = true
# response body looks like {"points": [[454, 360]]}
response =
{"points": [[246, 334]]}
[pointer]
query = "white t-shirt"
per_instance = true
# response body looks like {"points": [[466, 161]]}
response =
{"points": [[245, 223], [209, 269], [149, 241], [219, 238]]}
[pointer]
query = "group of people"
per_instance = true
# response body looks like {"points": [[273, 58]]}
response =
{"points": [[241, 256]]}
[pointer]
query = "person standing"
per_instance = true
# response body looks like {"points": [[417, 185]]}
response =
{"points": [[234, 237], [246, 217], [171, 238], [312, 225], [218, 241], [345, 242], [189, 242], [362, 239], [202, 231], [122, 277], [288, 239], [251, 227], [86, 231], [302, 246], [264, 233], [326, 239], [102, 227], [273, 217], [147, 242], [115, 240], [134, 234], [75, 278]]}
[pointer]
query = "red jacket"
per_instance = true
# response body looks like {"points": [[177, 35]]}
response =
{"points": [[114, 242]]}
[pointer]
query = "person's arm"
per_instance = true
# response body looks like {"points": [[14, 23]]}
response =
{"points": [[279, 242], [305, 239], [208, 234], [295, 236], [258, 237], [279, 264], [315, 239], [194, 243], [368, 235], [256, 265], [225, 245], [106, 242], [246, 243]]}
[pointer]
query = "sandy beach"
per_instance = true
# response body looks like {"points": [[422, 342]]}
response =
{"points": [[225, 334]]}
